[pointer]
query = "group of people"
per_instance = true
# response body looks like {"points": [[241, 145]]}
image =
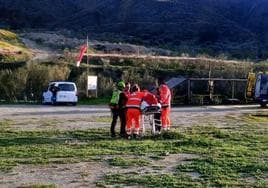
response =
{"points": [[128, 101]]}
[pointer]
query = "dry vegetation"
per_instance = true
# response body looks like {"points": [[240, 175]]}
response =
{"points": [[27, 80], [11, 48]]}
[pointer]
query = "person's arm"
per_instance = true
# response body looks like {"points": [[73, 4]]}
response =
{"points": [[122, 100], [114, 101]]}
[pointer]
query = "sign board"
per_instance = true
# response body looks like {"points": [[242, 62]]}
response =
{"points": [[92, 82]]}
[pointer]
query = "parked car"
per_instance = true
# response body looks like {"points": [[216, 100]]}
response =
{"points": [[60, 92]]}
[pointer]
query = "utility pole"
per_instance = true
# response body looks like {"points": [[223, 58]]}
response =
{"points": [[189, 93], [87, 70], [233, 89], [210, 83]]}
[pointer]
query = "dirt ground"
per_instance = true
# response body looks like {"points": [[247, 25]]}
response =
{"points": [[35, 117], [85, 174]]}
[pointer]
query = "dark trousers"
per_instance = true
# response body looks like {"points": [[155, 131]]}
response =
{"points": [[157, 119], [123, 119], [121, 113]]}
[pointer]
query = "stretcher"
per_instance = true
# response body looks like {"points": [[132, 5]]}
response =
{"points": [[151, 118]]}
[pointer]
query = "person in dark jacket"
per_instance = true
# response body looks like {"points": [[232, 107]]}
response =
{"points": [[123, 97], [114, 105], [54, 90]]}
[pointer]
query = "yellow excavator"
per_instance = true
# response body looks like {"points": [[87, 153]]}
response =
{"points": [[257, 88]]}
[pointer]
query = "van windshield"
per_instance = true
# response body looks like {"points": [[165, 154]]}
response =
{"points": [[264, 85], [264, 79], [66, 87]]}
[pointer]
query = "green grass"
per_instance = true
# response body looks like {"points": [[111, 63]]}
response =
{"points": [[163, 180], [95, 101], [21, 102], [258, 118], [5, 124], [100, 119], [228, 159], [38, 186], [236, 157], [127, 162]]}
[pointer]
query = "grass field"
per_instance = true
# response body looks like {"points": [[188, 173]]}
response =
{"points": [[184, 157], [215, 157]]}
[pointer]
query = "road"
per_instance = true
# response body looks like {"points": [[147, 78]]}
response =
{"points": [[42, 118], [16, 111]]}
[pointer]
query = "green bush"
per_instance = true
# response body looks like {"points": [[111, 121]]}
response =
{"points": [[28, 82]]}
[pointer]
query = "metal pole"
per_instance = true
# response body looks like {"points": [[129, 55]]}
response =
{"points": [[87, 69], [97, 89], [189, 91], [233, 89], [210, 83]]}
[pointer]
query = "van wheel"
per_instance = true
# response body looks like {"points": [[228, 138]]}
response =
{"points": [[73, 103]]}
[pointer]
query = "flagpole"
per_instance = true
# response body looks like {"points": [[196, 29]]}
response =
{"points": [[87, 67]]}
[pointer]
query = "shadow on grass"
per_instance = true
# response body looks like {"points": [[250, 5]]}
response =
{"points": [[9, 138], [29, 141]]}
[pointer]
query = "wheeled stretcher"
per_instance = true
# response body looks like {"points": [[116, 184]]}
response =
{"points": [[151, 118]]}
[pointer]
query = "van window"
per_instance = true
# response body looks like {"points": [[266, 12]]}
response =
{"points": [[264, 85], [66, 87], [264, 79]]}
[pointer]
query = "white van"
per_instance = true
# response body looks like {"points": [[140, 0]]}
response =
{"points": [[60, 92]]}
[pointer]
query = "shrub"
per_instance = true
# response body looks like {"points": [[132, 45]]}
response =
{"points": [[28, 82]]}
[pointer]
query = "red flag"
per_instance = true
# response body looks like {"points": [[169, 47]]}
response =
{"points": [[80, 57]]}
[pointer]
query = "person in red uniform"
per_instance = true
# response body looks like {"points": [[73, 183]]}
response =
{"points": [[150, 98], [164, 99], [133, 111]]}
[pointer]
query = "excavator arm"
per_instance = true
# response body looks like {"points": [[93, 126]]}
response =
{"points": [[250, 89]]}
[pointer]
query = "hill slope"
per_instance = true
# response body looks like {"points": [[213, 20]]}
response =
{"points": [[237, 27], [11, 48]]}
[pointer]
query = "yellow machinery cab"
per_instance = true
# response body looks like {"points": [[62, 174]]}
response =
{"points": [[257, 88]]}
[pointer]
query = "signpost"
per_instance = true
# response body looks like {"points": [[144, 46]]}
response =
{"points": [[92, 84]]}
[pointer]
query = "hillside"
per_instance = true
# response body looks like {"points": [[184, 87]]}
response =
{"points": [[11, 48], [236, 28]]}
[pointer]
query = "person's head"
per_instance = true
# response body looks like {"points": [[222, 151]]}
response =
{"points": [[128, 86], [161, 81], [121, 85], [135, 88]]}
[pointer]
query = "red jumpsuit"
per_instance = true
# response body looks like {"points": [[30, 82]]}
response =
{"points": [[165, 98], [150, 98], [133, 112]]}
